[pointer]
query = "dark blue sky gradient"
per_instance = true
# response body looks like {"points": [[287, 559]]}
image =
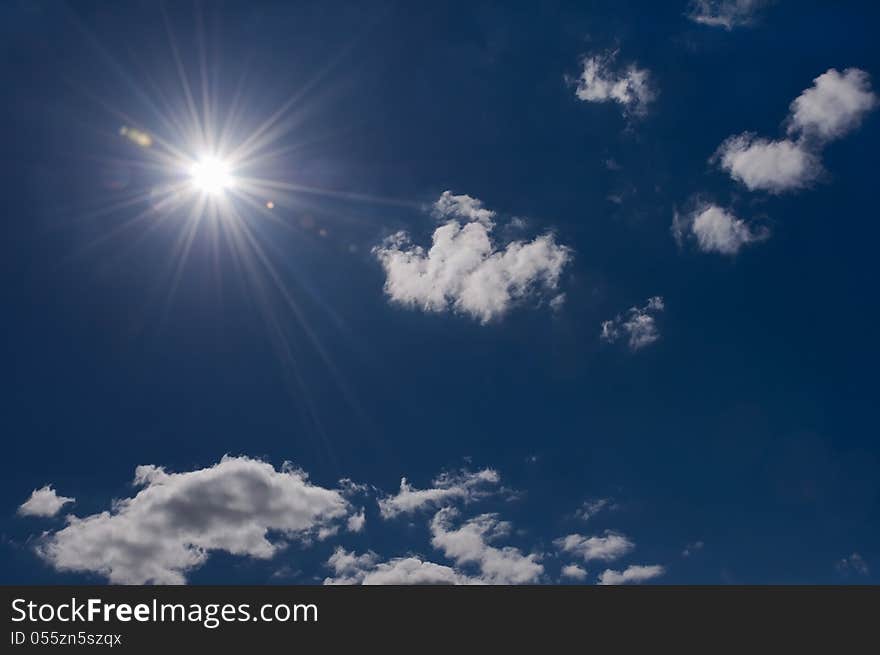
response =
{"points": [[751, 424]]}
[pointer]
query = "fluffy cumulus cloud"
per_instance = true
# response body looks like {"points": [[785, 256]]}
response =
{"points": [[634, 574], [172, 524], [638, 326], [715, 229], [368, 569], [463, 270], [463, 486], [248, 508], [356, 522], [606, 548], [725, 13], [774, 166], [574, 572], [470, 543], [835, 105], [43, 502], [602, 81]]}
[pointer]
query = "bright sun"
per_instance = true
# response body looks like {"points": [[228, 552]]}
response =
{"points": [[211, 175]]}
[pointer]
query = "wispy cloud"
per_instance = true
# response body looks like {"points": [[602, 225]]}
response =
{"points": [[854, 563], [692, 548], [463, 486], [591, 508], [638, 325], [601, 80], [726, 13]]}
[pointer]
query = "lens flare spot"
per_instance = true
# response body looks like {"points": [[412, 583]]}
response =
{"points": [[136, 136]]}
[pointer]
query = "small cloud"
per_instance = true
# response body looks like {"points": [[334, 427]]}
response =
{"points": [[638, 326], [367, 569], [591, 508], [602, 81], [43, 502], [356, 522], [286, 572], [608, 547], [725, 13], [692, 548], [853, 564], [715, 229], [635, 574], [764, 165], [574, 572]]}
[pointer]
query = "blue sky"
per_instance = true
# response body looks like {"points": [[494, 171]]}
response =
{"points": [[641, 350]]}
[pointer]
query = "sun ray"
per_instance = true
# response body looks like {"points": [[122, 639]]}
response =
{"points": [[213, 174]]}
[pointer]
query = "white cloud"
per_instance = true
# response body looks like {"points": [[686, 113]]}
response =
{"points": [[366, 569], [464, 207], [833, 106], [592, 507], [43, 502], [171, 525], [715, 230], [574, 572], [638, 325], [469, 544], [599, 81], [774, 166], [692, 548], [854, 563], [464, 270], [448, 487], [356, 522], [245, 507], [609, 547], [631, 575], [725, 13]]}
